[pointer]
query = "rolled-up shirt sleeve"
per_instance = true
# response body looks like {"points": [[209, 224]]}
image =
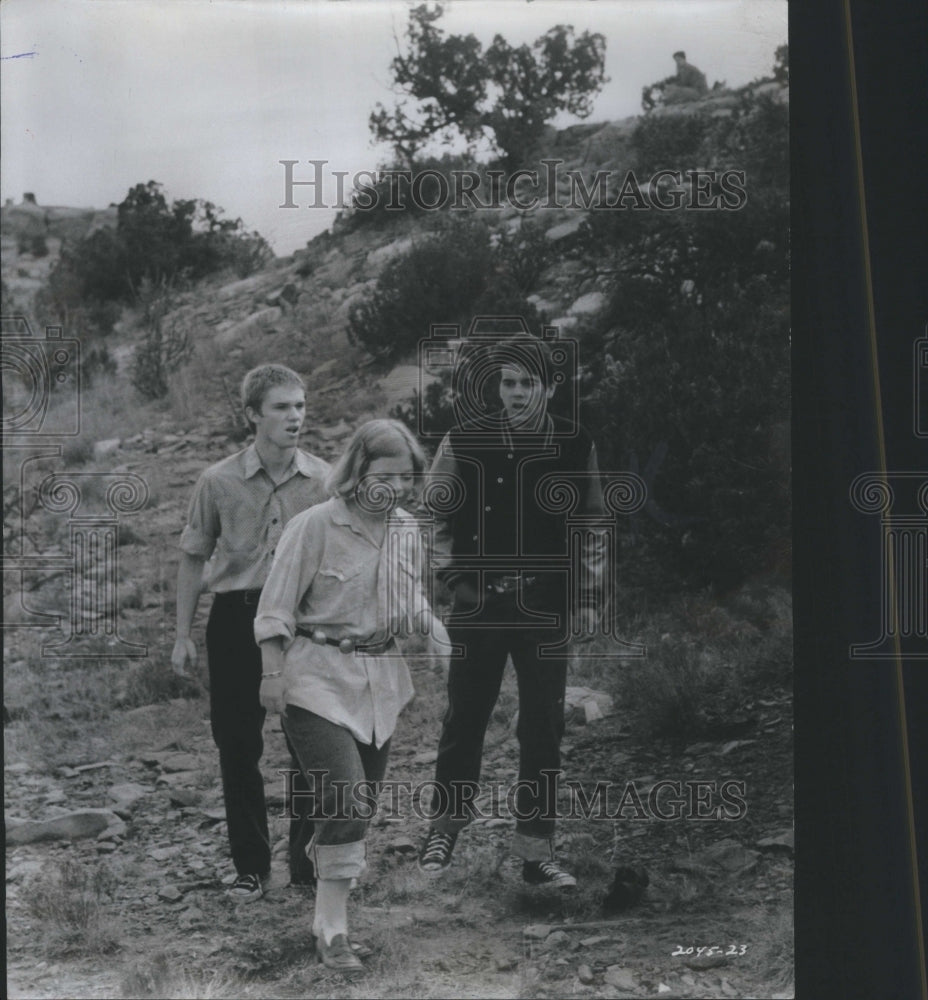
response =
{"points": [[299, 554], [202, 529]]}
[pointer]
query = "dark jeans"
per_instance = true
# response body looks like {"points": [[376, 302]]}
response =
{"points": [[473, 688], [237, 721], [342, 776]]}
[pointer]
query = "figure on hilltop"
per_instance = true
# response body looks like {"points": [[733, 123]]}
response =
{"points": [[687, 84]]}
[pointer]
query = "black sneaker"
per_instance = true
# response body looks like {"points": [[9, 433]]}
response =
{"points": [[547, 873], [435, 856], [247, 888]]}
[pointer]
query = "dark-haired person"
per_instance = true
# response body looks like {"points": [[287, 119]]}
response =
{"points": [[688, 85], [346, 579], [237, 514], [499, 460]]}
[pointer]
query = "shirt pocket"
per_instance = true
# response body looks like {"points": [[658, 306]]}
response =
{"points": [[238, 560], [338, 594]]}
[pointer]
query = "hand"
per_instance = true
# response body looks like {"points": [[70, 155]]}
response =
{"points": [[438, 645], [271, 694], [184, 653]]}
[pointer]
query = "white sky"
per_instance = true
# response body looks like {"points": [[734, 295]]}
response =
{"points": [[206, 96]]}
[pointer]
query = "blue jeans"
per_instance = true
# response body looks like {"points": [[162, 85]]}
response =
{"points": [[342, 776]]}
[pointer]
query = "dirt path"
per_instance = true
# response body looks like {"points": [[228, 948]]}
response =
{"points": [[478, 932]]}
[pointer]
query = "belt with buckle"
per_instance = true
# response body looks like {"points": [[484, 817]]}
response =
{"points": [[244, 596], [508, 584], [364, 647]]}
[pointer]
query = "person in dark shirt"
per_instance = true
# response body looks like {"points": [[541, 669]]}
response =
{"points": [[496, 552], [688, 85]]}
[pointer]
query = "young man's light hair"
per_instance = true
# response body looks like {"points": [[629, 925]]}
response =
{"points": [[259, 382]]}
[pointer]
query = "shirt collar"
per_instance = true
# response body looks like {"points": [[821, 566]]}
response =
{"points": [[300, 463], [342, 514], [545, 431]]}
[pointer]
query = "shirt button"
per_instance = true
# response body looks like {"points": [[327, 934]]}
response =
{"points": [[509, 455], [488, 507], [474, 539], [274, 521], [499, 479]]}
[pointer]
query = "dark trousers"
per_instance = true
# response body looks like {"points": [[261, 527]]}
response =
{"points": [[237, 721], [473, 688]]}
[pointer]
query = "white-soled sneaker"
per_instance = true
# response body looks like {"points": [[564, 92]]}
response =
{"points": [[435, 856], [548, 874], [246, 888]]}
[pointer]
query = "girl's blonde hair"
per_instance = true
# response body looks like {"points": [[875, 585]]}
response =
{"points": [[376, 439]]}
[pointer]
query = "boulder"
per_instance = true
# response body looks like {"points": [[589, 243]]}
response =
{"points": [[592, 302], [126, 795], [589, 704], [621, 979], [103, 448], [564, 229], [70, 826], [379, 258], [259, 322]]}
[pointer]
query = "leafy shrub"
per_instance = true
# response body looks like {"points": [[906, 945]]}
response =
{"points": [[692, 355], [163, 350], [156, 242], [448, 277], [36, 245]]}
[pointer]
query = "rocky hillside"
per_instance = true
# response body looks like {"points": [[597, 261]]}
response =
{"points": [[116, 845]]}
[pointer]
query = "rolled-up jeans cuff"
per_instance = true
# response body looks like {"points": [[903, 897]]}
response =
{"points": [[335, 861], [532, 848]]}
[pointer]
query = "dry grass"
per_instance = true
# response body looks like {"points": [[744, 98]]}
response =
{"points": [[160, 976], [70, 902]]}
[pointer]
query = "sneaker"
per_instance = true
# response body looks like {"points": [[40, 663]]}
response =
{"points": [[247, 888], [547, 873], [435, 856]]}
